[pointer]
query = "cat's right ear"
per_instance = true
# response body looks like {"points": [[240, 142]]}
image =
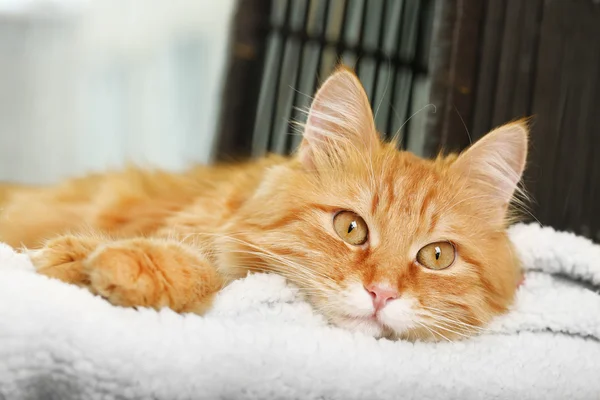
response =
{"points": [[497, 161], [340, 119]]}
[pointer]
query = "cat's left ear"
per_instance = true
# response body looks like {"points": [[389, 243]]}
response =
{"points": [[340, 117], [497, 161]]}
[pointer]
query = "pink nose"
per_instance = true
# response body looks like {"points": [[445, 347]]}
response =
{"points": [[381, 295]]}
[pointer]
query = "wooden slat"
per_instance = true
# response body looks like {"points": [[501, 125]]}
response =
{"points": [[507, 63], [535, 57], [242, 87], [567, 183], [456, 41], [493, 22]]}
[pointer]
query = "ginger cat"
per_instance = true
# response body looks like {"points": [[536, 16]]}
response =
{"points": [[379, 240]]}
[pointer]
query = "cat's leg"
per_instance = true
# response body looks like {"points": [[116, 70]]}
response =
{"points": [[147, 272]]}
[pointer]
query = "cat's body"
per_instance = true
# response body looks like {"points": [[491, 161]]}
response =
{"points": [[187, 210], [129, 203], [379, 240]]}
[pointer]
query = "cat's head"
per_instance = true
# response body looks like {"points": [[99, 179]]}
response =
{"points": [[380, 240]]}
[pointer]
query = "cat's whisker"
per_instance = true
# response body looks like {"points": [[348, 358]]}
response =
{"points": [[454, 322], [295, 267], [434, 332], [415, 331], [318, 289], [459, 324], [450, 330], [454, 311], [464, 125], [297, 277], [461, 330], [413, 115], [261, 251], [444, 316]]}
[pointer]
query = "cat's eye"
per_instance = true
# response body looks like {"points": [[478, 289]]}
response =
{"points": [[351, 228], [436, 256]]}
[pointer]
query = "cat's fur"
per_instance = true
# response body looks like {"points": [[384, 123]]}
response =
{"points": [[156, 239]]}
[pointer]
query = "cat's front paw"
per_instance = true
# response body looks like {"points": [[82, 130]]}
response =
{"points": [[126, 275], [62, 258], [152, 273], [141, 272]]}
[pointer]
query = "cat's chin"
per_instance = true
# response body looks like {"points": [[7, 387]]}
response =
{"points": [[367, 325]]}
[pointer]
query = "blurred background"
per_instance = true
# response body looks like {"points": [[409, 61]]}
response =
{"points": [[90, 85], [87, 85]]}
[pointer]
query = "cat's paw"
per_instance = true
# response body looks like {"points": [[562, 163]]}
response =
{"points": [[62, 258], [152, 273]]}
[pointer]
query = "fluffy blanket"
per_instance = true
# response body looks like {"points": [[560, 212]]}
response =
{"points": [[262, 341]]}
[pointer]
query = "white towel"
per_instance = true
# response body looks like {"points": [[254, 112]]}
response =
{"points": [[261, 341]]}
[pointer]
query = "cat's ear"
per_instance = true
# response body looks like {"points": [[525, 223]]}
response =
{"points": [[497, 161], [340, 117]]}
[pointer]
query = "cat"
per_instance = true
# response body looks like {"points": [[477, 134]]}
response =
{"points": [[378, 240]]}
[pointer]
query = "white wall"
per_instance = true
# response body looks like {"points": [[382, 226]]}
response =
{"points": [[90, 85]]}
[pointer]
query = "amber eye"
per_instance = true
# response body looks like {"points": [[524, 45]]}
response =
{"points": [[351, 228], [438, 255]]}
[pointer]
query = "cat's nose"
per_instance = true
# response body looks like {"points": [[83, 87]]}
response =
{"points": [[381, 295]]}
